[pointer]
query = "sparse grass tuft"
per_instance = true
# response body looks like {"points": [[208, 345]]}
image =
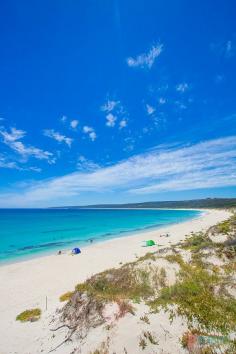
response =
{"points": [[31, 315], [124, 308], [145, 319], [67, 296], [162, 277], [142, 343], [148, 256], [149, 336]]}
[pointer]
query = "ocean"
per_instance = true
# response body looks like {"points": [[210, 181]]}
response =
{"points": [[27, 233]]}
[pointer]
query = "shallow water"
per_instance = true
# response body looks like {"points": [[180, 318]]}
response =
{"points": [[33, 232]]}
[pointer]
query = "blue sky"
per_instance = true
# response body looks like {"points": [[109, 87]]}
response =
{"points": [[116, 101]]}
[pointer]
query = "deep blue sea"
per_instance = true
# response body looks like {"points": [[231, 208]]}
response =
{"points": [[33, 232]]}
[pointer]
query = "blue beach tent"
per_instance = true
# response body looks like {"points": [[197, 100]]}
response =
{"points": [[76, 250]]}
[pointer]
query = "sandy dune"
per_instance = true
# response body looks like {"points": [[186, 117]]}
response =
{"points": [[27, 284]]}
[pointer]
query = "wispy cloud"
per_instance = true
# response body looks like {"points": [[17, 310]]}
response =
{"points": [[86, 165], [150, 109], [111, 120], [115, 114], [162, 100], [146, 60], [109, 106], [228, 48], [203, 165], [51, 133], [4, 163], [90, 132], [123, 123], [13, 165], [224, 48], [63, 119], [180, 105], [12, 140], [13, 135], [74, 123], [182, 87]]}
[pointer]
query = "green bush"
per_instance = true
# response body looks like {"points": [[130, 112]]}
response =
{"points": [[197, 242], [195, 296], [67, 296], [29, 315]]}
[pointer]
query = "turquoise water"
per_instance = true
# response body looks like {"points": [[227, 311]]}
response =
{"points": [[29, 233]]}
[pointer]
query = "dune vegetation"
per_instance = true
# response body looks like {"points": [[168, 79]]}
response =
{"points": [[31, 315], [202, 290]]}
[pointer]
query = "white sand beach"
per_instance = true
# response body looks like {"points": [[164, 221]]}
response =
{"points": [[26, 284]]}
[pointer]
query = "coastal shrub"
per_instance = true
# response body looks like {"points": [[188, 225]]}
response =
{"points": [[67, 296], [116, 284], [197, 242], [226, 250], [224, 227], [175, 258], [29, 315], [196, 298]]}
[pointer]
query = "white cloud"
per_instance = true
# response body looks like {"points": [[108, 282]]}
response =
{"points": [[109, 106], [84, 164], [35, 169], [115, 114], [111, 120], [74, 123], [93, 136], [4, 163], [11, 139], [146, 60], [123, 123], [204, 165], [90, 131], [150, 109], [87, 129], [50, 133], [162, 100], [13, 165], [182, 87], [15, 134], [64, 119]]}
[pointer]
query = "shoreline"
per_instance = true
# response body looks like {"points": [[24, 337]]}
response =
{"points": [[28, 284], [102, 238]]}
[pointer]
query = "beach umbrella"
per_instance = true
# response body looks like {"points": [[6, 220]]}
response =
{"points": [[150, 243], [76, 250]]}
